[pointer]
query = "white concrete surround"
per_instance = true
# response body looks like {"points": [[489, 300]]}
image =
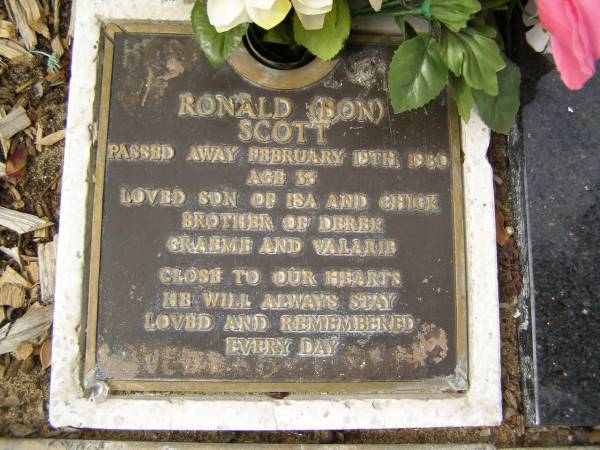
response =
{"points": [[480, 405]]}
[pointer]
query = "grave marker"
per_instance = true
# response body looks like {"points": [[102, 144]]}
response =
{"points": [[254, 230]]}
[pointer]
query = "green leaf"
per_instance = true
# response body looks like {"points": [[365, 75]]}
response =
{"points": [[327, 42], [499, 112], [406, 29], [281, 34], [494, 5], [401, 22], [463, 96], [417, 73], [473, 55], [216, 46], [480, 23], [454, 13]]}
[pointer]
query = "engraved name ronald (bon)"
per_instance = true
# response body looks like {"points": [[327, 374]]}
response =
{"points": [[284, 156]]}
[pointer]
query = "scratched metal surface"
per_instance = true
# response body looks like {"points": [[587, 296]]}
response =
{"points": [[149, 73]]}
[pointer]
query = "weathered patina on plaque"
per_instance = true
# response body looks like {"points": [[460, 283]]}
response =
{"points": [[283, 232]]}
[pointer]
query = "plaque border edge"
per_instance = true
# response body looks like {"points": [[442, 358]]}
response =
{"points": [[454, 384]]}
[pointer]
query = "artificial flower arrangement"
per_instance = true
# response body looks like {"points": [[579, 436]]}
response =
{"points": [[570, 30], [457, 44]]}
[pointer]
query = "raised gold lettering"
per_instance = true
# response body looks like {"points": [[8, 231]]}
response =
{"points": [[296, 156], [292, 223], [387, 159], [293, 277], [350, 278], [343, 200], [350, 224], [209, 245], [174, 299], [186, 105], [246, 322], [190, 275], [151, 196], [280, 246], [354, 247], [212, 154], [242, 276], [141, 152], [266, 177], [314, 301], [225, 300], [263, 199], [226, 221], [318, 346], [368, 301], [335, 323], [243, 346], [178, 322], [412, 203], [218, 198], [301, 200]]}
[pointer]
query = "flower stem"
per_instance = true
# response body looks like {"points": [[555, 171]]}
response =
{"points": [[385, 6], [387, 9], [409, 12]]}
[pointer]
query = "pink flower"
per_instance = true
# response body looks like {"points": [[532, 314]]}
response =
{"points": [[574, 26]]}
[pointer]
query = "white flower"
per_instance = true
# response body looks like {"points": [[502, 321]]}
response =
{"points": [[376, 4], [530, 14], [538, 39], [312, 12], [226, 14]]}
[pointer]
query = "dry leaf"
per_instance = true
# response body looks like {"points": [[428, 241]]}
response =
{"points": [[47, 265], [23, 87], [33, 272], [27, 365], [21, 222], [19, 16], [52, 139], [42, 234], [11, 276], [12, 295], [46, 353], [16, 166], [71, 30], [39, 134], [502, 236], [16, 120], [7, 29], [18, 203], [23, 351], [55, 77], [56, 11], [13, 122], [14, 51], [57, 47], [36, 17], [9, 314], [13, 253], [32, 325]]}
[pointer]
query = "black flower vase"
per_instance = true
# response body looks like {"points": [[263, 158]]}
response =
{"points": [[275, 55]]}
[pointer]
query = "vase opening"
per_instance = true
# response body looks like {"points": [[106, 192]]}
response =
{"points": [[279, 56]]}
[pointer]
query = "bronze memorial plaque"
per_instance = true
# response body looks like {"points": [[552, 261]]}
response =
{"points": [[266, 230]]}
